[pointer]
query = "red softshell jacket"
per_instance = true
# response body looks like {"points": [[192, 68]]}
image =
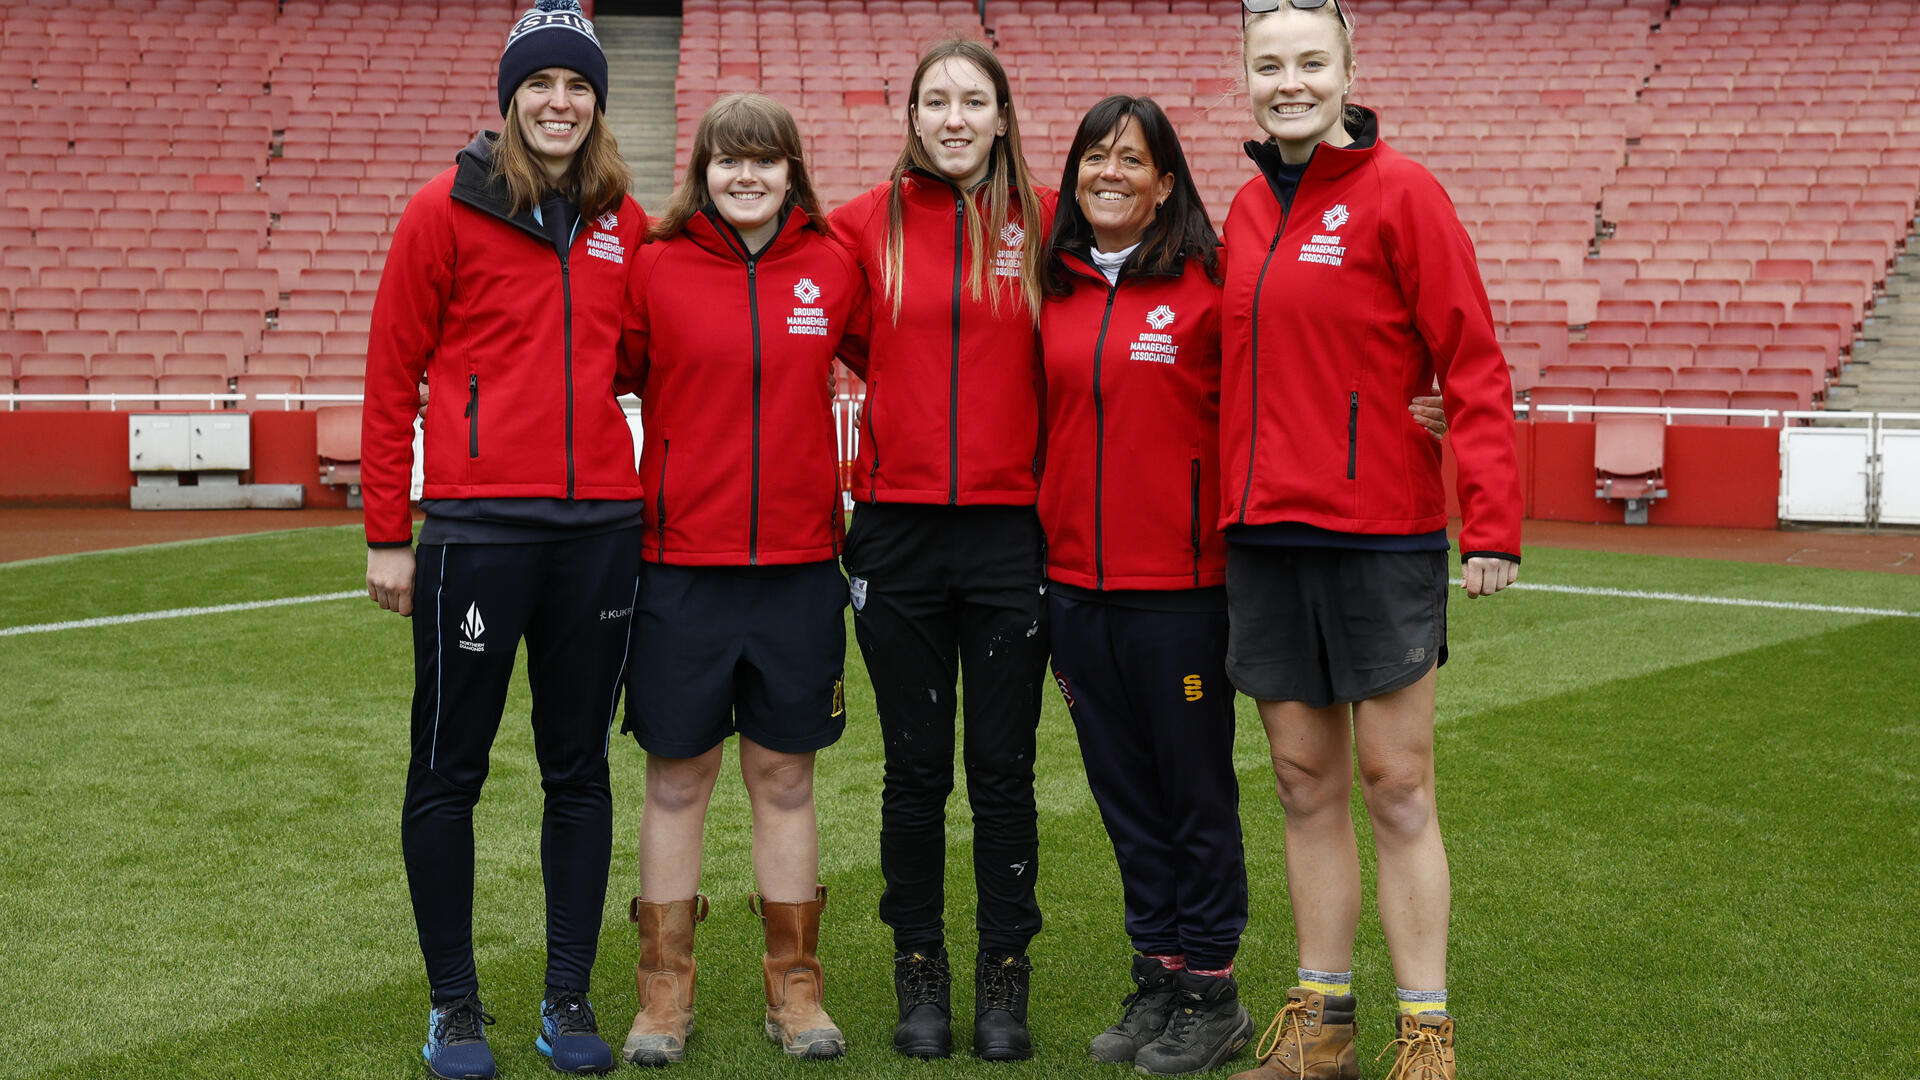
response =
{"points": [[1336, 314], [1131, 490], [517, 346], [733, 359], [952, 413]]}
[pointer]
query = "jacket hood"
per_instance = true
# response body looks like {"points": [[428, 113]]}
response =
{"points": [[475, 185], [1326, 161]]}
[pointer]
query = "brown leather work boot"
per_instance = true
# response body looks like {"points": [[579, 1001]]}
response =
{"points": [[665, 979], [1311, 1038], [1426, 1048], [795, 982]]}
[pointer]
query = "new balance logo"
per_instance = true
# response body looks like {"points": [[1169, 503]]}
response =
{"points": [[471, 628]]}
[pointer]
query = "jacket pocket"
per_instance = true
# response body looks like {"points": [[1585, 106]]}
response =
{"points": [[866, 417], [1353, 430], [1193, 522], [473, 416], [660, 491]]}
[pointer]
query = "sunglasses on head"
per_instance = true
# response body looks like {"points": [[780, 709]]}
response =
{"points": [[1265, 7]]}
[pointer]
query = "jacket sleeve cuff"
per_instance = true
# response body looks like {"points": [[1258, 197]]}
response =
{"points": [[1465, 555], [392, 543]]}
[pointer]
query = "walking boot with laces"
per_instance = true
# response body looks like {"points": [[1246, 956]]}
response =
{"points": [[1000, 1007], [1426, 1048], [796, 984], [665, 978], [570, 1035], [1145, 1015], [923, 988], [456, 1047], [1311, 1038], [1208, 1026]]}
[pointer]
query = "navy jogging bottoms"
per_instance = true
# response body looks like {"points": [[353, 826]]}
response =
{"points": [[572, 600]]}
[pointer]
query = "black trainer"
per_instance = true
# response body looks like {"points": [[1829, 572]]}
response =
{"points": [[1000, 1007], [1208, 1026], [1147, 1009], [923, 987]]}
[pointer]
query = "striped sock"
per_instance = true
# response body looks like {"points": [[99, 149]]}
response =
{"points": [[1329, 983], [1413, 1002], [1169, 961]]}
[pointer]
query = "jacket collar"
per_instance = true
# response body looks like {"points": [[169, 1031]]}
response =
{"points": [[1326, 162], [475, 185], [1078, 259], [933, 189], [712, 233]]}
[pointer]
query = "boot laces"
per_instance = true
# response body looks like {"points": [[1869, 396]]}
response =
{"points": [[1286, 1022], [1185, 1017], [1134, 1004], [1000, 983], [925, 976], [463, 1021], [571, 1013], [1422, 1055]]}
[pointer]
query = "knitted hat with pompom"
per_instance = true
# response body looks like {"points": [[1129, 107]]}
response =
{"points": [[553, 33]]}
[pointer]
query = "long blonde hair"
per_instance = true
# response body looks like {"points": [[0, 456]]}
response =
{"points": [[597, 179], [742, 125], [1007, 168]]}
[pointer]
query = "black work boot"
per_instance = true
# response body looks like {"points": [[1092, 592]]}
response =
{"points": [[922, 986], [1000, 1007], [1147, 1009], [1208, 1026]]}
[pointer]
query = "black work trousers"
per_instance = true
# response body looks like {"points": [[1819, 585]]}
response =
{"points": [[572, 600], [941, 594], [1150, 700]]}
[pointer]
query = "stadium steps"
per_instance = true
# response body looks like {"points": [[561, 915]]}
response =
{"points": [[643, 55], [1885, 373]]}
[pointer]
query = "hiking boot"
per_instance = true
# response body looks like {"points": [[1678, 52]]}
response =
{"points": [[1426, 1048], [795, 981], [664, 976], [1208, 1026], [570, 1036], [1311, 1038], [923, 987], [1145, 1015], [456, 1046], [1000, 1007]]}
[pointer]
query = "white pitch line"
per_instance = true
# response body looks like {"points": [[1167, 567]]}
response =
{"points": [[1723, 601], [175, 613]]}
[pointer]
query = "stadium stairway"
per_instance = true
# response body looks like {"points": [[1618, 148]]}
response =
{"points": [[1885, 373], [643, 56]]}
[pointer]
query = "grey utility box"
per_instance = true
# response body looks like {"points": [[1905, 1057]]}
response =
{"points": [[193, 461], [160, 443]]}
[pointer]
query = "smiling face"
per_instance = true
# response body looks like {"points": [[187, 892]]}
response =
{"points": [[555, 110], [957, 116], [749, 191], [1298, 72], [1120, 187]]}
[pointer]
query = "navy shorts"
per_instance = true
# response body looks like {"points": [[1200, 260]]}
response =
{"points": [[758, 650], [1332, 625]]}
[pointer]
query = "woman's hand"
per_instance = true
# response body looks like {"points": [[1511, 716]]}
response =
{"points": [[1428, 414], [390, 578], [1486, 576]]}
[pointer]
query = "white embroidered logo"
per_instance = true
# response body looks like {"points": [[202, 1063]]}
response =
{"points": [[806, 291], [857, 589], [606, 245], [471, 628], [1011, 234], [1334, 218], [608, 221], [1160, 318]]}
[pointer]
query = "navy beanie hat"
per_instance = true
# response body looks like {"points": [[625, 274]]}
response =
{"points": [[553, 33]]}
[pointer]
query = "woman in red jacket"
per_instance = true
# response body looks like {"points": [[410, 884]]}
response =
{"points": [[504, 288], [1136, 568], [738, 306], [944, 557], [1352, 286]]}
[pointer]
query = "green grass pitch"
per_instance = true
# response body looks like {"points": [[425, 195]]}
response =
{"points": [[1684, 840]]}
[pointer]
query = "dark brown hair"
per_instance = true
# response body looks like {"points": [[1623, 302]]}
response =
{"points": [[741, 125]]}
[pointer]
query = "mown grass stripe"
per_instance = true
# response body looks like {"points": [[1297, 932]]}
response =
{"points": [[176, 613], [1725, 601]]}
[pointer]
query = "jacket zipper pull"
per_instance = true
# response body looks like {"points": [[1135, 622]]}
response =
{"points": [[473, 395]]}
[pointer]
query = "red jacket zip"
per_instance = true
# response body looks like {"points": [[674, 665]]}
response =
{"points": [[1133, 415]]}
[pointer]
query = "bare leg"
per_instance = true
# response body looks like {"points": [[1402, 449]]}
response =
{"points": [[1313, 764], [673, 818], [1394, 733], [786, 835]]}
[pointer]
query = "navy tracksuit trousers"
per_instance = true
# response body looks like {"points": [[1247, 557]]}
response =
{"points": [[572, 600], [1150, 700]]}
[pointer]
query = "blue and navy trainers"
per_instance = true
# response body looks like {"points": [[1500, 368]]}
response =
{"points": [[456, 1046], [569, 1035]]}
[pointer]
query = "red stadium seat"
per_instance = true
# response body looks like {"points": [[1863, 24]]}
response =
{"points": [[1639, 376], [1688, 398], [51, 384], [1558, 395], [1629, 455], [1587, 375], [253, 384], [1778, 400], [133, 392], [1639, 397], [192, 384]]}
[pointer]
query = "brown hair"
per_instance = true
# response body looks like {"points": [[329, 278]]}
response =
{"points": [[1348, 113], [597, 179], [741, 125], [1006, 168]]}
